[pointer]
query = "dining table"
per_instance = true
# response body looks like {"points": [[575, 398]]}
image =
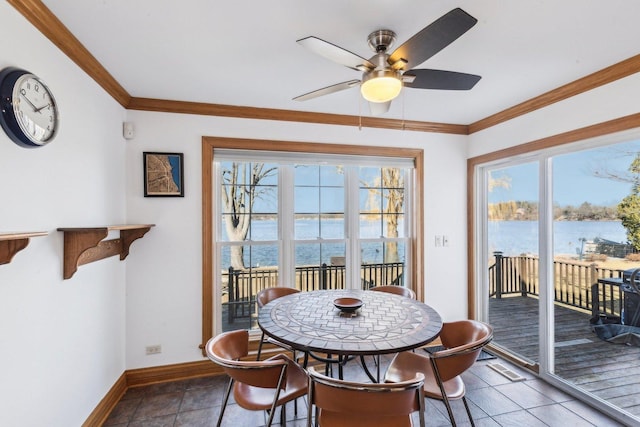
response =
{"points": [[385, 323]]}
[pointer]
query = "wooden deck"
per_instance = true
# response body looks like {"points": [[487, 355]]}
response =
{"points": [[609, 371]]}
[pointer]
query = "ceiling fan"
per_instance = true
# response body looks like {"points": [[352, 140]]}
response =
{"points": [[384, 74]]}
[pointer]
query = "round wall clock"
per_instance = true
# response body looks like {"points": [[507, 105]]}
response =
{"points": [[29, 112]]}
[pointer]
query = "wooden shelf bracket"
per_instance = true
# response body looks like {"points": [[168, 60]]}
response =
{"points": [[12, 243], [85, 245]]}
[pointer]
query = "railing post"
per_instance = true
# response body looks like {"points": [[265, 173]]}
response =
{"points": [[522, 275], [498, 257], [595, 301], [323, 276], [230, 314], [595, 290]]}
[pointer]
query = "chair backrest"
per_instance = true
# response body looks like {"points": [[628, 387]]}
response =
{"points": [[267, 295], [352, 404], [397, 290], [463, 340], [225, 350]]}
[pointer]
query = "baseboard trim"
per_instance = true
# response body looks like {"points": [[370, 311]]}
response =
{"points": [[99, 415], [159, 374], [145, 376], [179, 371]]}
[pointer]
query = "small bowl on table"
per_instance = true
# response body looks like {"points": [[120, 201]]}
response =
{"points": [[347, 304]]}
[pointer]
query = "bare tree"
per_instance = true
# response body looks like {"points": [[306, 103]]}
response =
{"points": [[239, 191], [393, 182], [390, 186]]}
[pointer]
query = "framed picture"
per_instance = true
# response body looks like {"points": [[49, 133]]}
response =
{"points": [[163, 174]]}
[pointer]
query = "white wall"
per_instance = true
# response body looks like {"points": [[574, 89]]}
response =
{"points": [[62, 342], [164, 280]]}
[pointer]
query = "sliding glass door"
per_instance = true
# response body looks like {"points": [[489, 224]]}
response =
{"points": [[560, 236], [593, 346], [512, 249]]}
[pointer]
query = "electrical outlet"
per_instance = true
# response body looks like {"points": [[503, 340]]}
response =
{"points": [[445, 240], [153, 349]]}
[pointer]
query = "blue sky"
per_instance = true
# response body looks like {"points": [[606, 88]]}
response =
{"points": [[575, 180]]}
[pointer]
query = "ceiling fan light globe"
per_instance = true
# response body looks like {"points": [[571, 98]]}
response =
{"points": [[381, 89]]}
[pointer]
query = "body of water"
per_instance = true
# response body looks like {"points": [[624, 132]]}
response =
{"points": [[311, 253], [521, 237], [509, 237]]}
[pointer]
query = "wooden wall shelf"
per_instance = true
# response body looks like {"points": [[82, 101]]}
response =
{"points": [[12, 243], [85, 245]]}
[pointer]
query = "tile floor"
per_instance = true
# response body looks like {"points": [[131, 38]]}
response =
{"points": [[494, 401]]}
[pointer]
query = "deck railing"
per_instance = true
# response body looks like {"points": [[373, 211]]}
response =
{"points": [[575, 284], [242, 286]]}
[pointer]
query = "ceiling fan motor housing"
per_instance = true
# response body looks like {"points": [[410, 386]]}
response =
{"points": [[381, 40]]}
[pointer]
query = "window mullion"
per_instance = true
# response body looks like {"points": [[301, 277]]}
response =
{"points": [[286, 225], [409, 229], [352, 217], [545, 224]]}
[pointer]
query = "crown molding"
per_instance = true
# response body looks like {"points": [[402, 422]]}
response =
{"points": [[244, 112], [599, 78], [51, 27]]}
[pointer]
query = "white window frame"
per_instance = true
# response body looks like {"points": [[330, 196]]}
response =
{"points": [[286, 235]]}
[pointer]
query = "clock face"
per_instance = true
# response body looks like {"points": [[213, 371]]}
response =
{"points": [[29, 111], [34, 108]]}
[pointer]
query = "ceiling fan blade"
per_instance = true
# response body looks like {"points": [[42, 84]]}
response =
{"points": [[336, 54], [378, 108], [433, 38], [327, 90], [439, 79]]}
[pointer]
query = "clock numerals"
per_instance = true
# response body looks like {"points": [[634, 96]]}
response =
{"points": [[32, 117]]}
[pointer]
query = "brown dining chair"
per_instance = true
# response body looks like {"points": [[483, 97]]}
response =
{"points": [[341, 403], [257, 385], [264, 297], [397, 290], [463, 340]]}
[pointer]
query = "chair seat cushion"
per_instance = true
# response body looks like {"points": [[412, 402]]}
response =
{"points": [[454, 388], [405, 365], [259, 398]]}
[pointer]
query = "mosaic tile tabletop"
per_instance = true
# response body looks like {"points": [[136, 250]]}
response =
{"points": [[386, 323]]}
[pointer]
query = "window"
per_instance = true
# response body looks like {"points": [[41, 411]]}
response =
{"points": [[313, 216], [310, 222]]}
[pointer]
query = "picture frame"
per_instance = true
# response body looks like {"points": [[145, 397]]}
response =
{"points": [[163, 174]]}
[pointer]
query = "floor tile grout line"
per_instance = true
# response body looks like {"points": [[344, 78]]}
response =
{"points": [[218, 388]]}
